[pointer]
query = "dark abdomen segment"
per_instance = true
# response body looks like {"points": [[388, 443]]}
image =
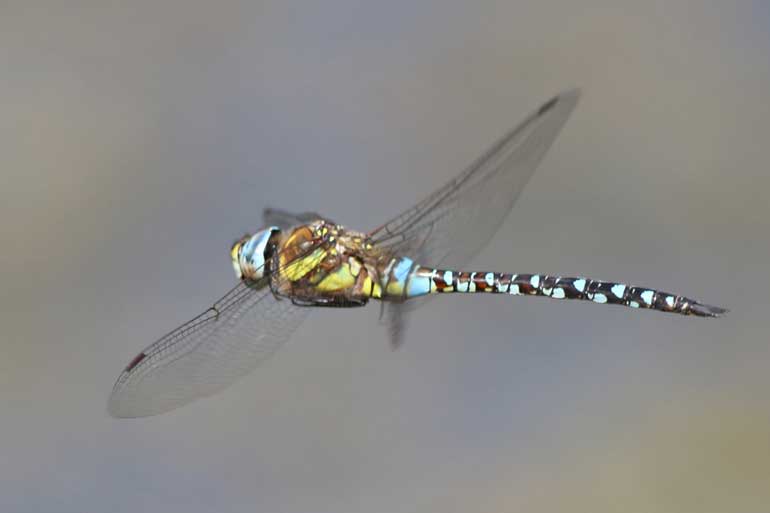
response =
{"points": [[423, 280]]}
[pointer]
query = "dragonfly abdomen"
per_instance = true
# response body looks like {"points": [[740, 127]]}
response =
{"points": [[424, 280]]}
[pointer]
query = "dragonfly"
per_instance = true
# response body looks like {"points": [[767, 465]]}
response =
{"points": [[303, 260]]}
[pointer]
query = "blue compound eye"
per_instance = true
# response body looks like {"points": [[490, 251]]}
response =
{"points": [[269, 251], [254, 252]]}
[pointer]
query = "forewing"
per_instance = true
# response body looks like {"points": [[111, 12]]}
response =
{"points": [[454, 223], [449, 227], [207, 354], [210, 352]]}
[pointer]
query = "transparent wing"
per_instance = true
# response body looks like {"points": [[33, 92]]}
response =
{"points": [[454, 223], [449, 227], [208, 353], [284, 219]]}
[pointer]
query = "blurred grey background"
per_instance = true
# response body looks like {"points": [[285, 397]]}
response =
{"points": [[139, 139]]}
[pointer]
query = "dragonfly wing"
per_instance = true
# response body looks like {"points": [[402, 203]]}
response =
{"points": [[395, 316], [206, 354], [284, 219], [454, 223], [450, 226]]}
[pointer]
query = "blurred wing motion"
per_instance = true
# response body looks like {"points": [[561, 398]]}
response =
{"points": [[453, 224], [206, 354]]}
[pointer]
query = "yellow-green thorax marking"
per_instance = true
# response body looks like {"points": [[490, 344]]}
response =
{"points": [[345, 266]]}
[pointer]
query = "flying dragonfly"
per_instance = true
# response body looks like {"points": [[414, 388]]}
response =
{"points": [[305, 260]]}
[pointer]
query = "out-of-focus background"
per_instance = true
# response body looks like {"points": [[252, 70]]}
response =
{"points": [[139, 139]]}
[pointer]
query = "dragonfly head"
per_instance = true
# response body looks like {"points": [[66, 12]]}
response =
{"points": [[250, 253]]}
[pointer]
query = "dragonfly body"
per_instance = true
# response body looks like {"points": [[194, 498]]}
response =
{"points": [[349, 270], [304, 260]]}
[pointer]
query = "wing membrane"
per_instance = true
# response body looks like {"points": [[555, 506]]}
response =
{"points": [[208, 353], [449, 227], [284, 219], [454, 223]]}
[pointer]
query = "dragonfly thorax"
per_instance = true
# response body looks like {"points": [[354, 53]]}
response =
{"points": [[250, 253]]}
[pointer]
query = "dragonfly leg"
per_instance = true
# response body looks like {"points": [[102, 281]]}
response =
{"points": [[278, 295]]}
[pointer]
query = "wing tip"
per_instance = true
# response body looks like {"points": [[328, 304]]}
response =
{"points": [[558, 108], [116, 407], [568, 97]]}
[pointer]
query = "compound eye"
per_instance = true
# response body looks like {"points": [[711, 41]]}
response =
{"points": [[270, 245]]}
